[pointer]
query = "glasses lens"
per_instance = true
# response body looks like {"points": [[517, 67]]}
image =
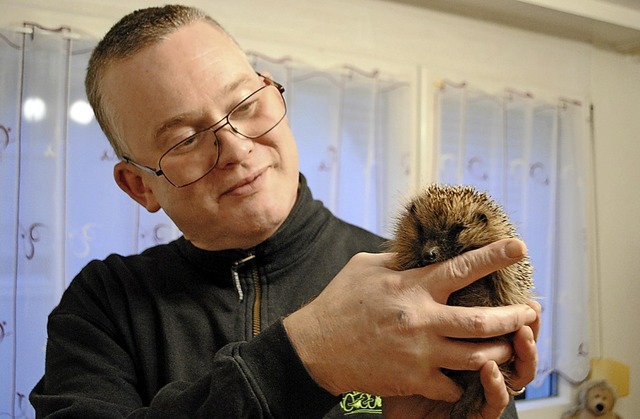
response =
{"points": [[190, 159], [259, 113]]}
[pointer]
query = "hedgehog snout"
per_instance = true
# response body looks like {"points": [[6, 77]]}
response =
{"points": [[430, 255]]}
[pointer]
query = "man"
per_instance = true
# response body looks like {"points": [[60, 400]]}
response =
{"points": [[266, 307]]}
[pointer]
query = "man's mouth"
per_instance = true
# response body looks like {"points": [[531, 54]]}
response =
{"points": [[247, 186]]}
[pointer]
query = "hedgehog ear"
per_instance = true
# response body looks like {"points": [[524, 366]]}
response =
{"points": [[482, 218], [412, 208]]}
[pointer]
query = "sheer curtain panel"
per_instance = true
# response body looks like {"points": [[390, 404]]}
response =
{"points": [[60, 207], [353, 131], [530, 156]]}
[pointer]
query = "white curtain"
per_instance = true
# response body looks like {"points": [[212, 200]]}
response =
{"points": [[353, 133], [60, 208], [530, 155]]}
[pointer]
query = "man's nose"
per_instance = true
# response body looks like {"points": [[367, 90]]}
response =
{"points": [[233, 147]]}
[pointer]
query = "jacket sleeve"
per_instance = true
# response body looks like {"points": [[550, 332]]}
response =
{"points": [[88, 374]]}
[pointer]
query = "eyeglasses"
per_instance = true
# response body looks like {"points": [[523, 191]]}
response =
{"points": [[194, 157]]}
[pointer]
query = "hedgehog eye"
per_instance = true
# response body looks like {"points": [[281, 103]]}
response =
{"points": [[456, 229]]}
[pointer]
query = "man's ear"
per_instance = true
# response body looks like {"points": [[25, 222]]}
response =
{"points": [[267, 74], [129, 180]]}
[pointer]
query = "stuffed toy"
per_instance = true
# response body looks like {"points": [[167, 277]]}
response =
{"points": [[596, 399]]}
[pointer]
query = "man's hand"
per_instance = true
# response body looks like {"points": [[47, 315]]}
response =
{"points": [[418, 407], [526, 353], [496, 394], [388, 333]]}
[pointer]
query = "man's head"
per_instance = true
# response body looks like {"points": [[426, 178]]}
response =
{"points": [[163, 74]]}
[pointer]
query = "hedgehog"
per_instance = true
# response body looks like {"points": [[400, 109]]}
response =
{"points": [[442, 222]]}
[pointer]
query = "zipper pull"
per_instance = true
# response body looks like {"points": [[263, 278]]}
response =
{"points": [[236, 276]]}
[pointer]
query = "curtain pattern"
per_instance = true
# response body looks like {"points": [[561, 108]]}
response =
{"points": [[530, 156], [60, 208], [353, 136]]}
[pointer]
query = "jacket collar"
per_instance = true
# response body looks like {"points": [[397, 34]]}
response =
{"points": [[305, 221]]}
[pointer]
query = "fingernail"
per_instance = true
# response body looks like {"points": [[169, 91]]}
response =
{"points": [[496, 371], [514, 249]]}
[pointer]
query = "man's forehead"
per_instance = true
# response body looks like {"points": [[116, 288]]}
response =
{"points": [[172, 83], [225, 90]]}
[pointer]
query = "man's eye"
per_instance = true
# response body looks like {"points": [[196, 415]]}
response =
{"points": [[245, 110], [187, 145], [189, 141]]}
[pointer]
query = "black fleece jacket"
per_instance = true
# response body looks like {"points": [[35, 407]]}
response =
{"points": [[180, 332]]}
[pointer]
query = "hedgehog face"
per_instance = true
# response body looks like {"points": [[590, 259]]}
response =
{"points": [[446, 235], [444, 222], [436, 245]]}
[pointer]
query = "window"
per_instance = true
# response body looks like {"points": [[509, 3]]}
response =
{"points": [[530, 156], [353, 133]]}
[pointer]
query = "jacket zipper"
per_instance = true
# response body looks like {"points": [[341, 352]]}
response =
{"points": [[257, 302], [236, 277], [257, 287]]}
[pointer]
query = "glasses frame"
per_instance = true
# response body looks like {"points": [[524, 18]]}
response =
{"points": [[215, 128]]}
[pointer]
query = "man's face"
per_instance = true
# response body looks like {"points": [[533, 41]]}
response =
{"points": [[175, 88]]}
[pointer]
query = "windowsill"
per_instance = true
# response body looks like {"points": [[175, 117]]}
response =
{"points": [[552, 407]]}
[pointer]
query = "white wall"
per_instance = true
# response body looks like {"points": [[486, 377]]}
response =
{"points": [[399, 39], [616, 97]]}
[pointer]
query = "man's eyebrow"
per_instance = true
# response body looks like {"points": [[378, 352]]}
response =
{"points": [[178, 119], [166, 126]]}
